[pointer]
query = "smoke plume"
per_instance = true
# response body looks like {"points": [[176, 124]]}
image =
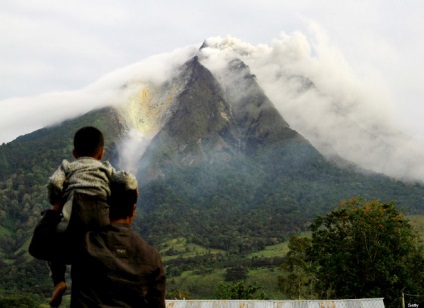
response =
{"points": [[317, 93]]}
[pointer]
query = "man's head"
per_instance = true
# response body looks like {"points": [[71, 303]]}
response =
{"points": [[88, 141], [124, 193]]}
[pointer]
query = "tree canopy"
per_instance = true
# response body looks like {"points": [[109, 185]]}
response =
{"points": [[366, 249], [298, 279]]}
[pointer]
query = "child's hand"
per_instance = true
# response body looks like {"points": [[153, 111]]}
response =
{"points": [[65, 184], [57, 206]]}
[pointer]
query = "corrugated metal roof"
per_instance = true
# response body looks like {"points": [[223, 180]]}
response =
{"points": [[342, 303]]}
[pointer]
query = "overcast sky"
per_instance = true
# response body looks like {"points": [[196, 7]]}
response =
{"points": [[55, 46]]}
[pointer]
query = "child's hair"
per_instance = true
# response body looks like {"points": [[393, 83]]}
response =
{"points": [[88, 141]]}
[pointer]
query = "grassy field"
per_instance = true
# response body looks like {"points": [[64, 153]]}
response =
{"points": [[179, 248], [196, 285], [272, 251]]}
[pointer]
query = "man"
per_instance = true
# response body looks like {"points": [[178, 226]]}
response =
{"points": [[115, 267], [111, 266]]}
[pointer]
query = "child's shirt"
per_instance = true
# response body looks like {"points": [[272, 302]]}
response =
{"points": [[85, 175]]}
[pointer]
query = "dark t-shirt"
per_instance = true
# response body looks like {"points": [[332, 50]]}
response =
{"points": [[117, 268]]}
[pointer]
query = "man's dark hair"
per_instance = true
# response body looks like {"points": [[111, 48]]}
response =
{"points": [[88, 141], [123, 196]]}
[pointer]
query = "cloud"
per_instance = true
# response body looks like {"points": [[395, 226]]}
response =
{"points": [[25, 114], [50, 46]]}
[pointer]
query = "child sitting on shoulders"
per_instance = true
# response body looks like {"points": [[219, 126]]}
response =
{"points": [[86, 176]]}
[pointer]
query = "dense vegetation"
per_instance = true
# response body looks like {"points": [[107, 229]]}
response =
{"points": [[362, 249], [246, 204]]}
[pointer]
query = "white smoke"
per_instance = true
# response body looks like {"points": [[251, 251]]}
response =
{"points": [[340, 114], [23, 115], [131, 149]]}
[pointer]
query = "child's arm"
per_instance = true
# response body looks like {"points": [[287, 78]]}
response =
{"points": [[56, 185], [58, 205]]}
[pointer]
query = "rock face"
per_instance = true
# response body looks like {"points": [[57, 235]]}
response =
{"points": [[203, 121]]}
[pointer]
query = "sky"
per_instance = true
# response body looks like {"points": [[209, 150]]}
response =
{"points": [[51, 47]]}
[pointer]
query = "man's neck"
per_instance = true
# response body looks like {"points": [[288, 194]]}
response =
{"points": [[127, 221]]}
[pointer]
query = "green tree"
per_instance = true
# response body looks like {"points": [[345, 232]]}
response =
{"points": [[238, 290], [297, 279], [366, 249], [236, 273], [178, 294]]}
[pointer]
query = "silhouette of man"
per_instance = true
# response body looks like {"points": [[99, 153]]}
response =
{"points": [[115, 267]]}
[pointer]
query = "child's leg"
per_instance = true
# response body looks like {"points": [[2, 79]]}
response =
{"points": [[58, 270]]}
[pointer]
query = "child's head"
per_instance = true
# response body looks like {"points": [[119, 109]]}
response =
{"points": [[88, 141]]}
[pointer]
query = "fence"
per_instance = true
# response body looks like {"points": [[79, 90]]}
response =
{"points": [[345, 303]]}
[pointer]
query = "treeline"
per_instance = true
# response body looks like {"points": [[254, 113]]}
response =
{"points": [[205, 264]]}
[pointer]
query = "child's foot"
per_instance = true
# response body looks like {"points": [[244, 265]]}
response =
{"points": [[59, 290]]}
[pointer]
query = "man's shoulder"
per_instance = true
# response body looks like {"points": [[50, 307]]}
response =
{"points": [[134, 239], [121, 240], [144, 243]]}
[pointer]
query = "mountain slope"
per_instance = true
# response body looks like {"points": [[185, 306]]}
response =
{"points": [[244, 169], [221, 167]]}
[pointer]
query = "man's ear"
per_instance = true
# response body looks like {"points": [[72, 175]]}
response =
{"points": [[74, 153], [131, 218], [100, 155]]}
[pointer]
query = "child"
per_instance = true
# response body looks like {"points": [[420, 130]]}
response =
{"points": [[87, 175]]}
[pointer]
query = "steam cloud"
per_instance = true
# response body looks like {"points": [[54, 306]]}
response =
{"points": [[309, 82], [131, 150]]}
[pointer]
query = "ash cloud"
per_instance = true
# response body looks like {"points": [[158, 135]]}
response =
{"points": [[318, 94]]}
